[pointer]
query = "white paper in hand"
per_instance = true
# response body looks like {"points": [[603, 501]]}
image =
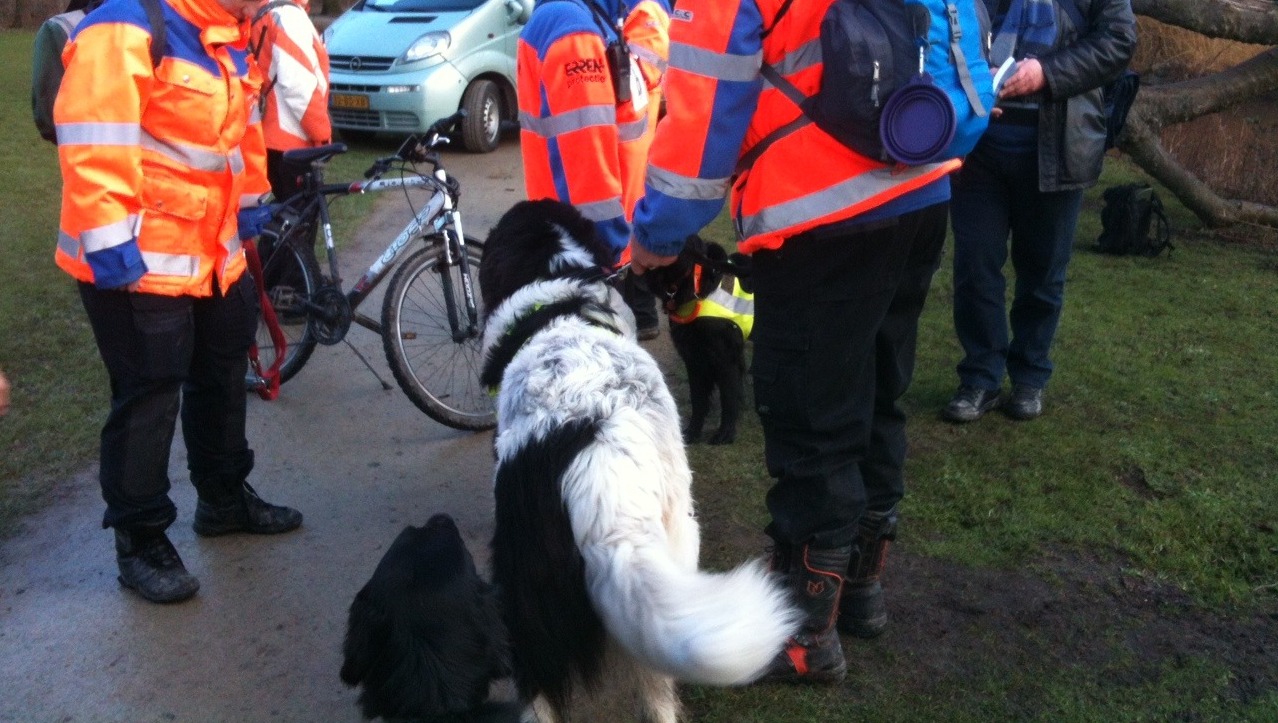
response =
{"points": [[1001, 74]]}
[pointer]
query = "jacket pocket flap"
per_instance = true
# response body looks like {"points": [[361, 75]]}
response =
{"points": [[166, 196]]}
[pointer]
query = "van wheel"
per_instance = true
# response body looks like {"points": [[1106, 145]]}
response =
{"points": [[481, 129]]}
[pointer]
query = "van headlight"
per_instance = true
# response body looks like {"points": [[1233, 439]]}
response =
{"points": [[427, 45]]}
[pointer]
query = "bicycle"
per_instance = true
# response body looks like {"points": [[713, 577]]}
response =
{"points": [[430, 320]]}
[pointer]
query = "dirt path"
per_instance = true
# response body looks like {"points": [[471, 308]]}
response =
{"points": [[262, 640]]}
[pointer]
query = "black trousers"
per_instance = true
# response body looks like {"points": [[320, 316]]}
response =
{"points": [[835, 330], [163, 353]]}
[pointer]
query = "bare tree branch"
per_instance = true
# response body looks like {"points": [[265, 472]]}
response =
{"points": [[1247, 21], [1144, 146], [1170, 103]]}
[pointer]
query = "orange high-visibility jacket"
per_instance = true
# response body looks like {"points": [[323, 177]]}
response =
{"points": [[719, 107], [294, 65], [572, 129], [647, 34], [156, 162]]}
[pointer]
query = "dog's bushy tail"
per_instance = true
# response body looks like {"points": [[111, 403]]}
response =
{"points": [[715, 628]]}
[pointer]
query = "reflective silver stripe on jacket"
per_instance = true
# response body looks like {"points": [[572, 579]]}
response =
{"points": [[686, 187], [110, 235], [633, 130], [99, 134], [721, 66], [200, 159], [647, 56], [573, 120], [801, 58], [601, 210], [233, 246], [160, 264], [830, 199]]}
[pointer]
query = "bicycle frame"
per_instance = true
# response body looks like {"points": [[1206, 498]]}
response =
{"points": [[439, 213], [430, 320]]}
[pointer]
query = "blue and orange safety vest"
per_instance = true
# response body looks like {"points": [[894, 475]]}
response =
{"points": [[156, 162], [579, 144], [719, 107]]}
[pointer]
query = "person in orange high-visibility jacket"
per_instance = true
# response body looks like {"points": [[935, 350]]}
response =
{"points": [[647, 34], [844, 248], [583, 139], [294, 66], [163, 169]]}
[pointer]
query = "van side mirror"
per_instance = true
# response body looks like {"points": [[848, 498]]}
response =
{"points": [[518, 11]]}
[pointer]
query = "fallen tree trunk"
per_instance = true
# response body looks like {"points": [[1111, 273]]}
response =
{"points": [[1160, 105]]}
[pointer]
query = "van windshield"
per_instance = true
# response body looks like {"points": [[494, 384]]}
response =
{"points": [[421, 6]]}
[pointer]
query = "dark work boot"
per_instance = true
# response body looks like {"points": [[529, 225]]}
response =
{"points": [[244, 511], [150, 566], [814, 654], [861, 610]]}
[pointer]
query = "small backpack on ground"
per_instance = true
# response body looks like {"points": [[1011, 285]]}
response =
{"points": [[46, 57], [1133, 222], [883, 65]]}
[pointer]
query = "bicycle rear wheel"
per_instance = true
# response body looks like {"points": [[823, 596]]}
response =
{"points": [[291, 276], [438, 373]]}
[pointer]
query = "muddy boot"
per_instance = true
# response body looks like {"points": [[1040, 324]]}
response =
{"points": [[814, 654], [861, 610], [150, 566], [243, 511]]}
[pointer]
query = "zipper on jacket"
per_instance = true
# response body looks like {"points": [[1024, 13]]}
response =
{"points": [[874, 89]]}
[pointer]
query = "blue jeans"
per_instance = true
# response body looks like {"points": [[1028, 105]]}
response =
{"points": [[994, 195]]}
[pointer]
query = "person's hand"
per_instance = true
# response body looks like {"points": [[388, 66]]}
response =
{"points": [[4, 394], [1027, 78], [642, 260], [252, 220]]}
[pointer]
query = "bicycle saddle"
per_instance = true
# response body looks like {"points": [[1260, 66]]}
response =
{"points": [[318, 153]]}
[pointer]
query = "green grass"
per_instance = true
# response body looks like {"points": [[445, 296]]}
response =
{"points": [[60, 393], [1158, 455]]}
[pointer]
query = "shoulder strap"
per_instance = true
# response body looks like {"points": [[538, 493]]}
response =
{"points": [[67, 21], [159, 33], [960, 61], [262, 11], [781, 11], [1162, 227]]}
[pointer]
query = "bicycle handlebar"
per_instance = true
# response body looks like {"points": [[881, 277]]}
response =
{"points": [[419, 149]]}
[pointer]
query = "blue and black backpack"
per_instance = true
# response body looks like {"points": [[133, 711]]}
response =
{"points": [[884, 63]]}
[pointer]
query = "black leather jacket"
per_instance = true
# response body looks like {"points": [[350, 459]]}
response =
{"points": [[1071, 123]]}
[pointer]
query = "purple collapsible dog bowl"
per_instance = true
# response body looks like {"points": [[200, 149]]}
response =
{"points": [[918, 122]]}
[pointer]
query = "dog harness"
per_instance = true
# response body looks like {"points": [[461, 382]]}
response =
{"points": [[726, 301]]}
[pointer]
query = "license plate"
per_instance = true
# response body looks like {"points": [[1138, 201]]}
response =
{"points": [[342, 100]]}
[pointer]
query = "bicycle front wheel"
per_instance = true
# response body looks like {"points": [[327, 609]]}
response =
{"points": [[291, 275], [436, 368]]}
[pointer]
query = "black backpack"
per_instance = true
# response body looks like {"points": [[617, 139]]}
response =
{"points": [[46, 57], [1133, 222]]}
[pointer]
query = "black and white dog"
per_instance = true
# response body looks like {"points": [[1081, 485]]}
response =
{"points": [[596, 541], [710, 304], [425, 636]]}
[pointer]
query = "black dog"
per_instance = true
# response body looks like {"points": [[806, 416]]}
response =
{"points": [[710, 305], [425, 635]]}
